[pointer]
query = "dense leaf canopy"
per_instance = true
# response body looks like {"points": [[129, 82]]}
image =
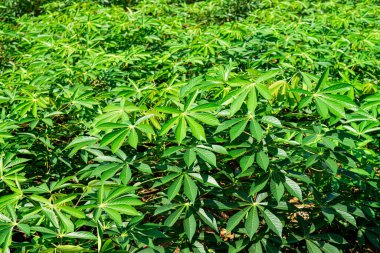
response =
{"points": [[189, 126]]}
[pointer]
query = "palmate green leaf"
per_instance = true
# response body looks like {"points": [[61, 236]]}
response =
{"points": [[69, 248], [333, 107], [14, 165], [190, 225], [23, 108], [165, 208], [65, 221], [256, 247], [173, 217], [206, 118], [293, 188], [208, 219], [249, 92], [113, 113], [333, 103], [262, 160], [5, 237], [180, 132], [277, 188], [131, 201], [271, 121], [307, 79], [237, 129], [133, 138], [196, 129], [169, 110], [104, 169], [342, 87], [322, 108], [235, 219], [238, 102], [145, 128], [115, 193], [11, 210], [10, 199], [4, 99], [346, 216], [219, 149], [81, 235], [168, 125], [114, 215], [252, 101], [118, 136], [5, 218], [206, 155], [111, 172], [122, 208], [5, 135], [327, 248], [322, 80], [301, 91], [111, 125], [25, 228], [205, 179], [65, 199], [190, 86], [266, 76], [73, 211], [51, 216], [372, 101], [189, 157], [208, 107], [227, 124], [80, 142], [165, 179], [171, 150], [343, 100], [331, 164], [44, 230], [144, 168], [190, 188], [198, 247], [305, 101], [263, 90], [246, 162], [259, 184], [252, 222], [125, 175], [175, 187], [312, 247], [118, 141], [373, 238], [190, 100], [273, 222], [256, 130]]}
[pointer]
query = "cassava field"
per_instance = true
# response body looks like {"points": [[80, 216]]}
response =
{"points": [[189, 126]]}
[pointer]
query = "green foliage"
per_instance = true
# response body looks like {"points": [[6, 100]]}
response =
{"points": [[198, 126]]}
